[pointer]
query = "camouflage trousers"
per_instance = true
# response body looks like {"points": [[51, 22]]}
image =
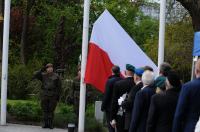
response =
{"points": [[48, 105]]}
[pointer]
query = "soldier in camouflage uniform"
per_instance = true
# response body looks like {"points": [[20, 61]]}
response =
{"points": [[76, 92], [50, 93]]}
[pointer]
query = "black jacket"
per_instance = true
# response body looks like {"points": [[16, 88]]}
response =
{"points": [[162, 110], [128, 104], [141, 108], [120, 88], [107, 98], [188, 107]]}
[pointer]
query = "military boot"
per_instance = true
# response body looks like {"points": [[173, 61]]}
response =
{"points": [[45, 123], [50, 121]]}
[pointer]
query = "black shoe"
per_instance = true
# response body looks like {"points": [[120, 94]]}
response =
{"points": [[51, 127], [45, 124]]}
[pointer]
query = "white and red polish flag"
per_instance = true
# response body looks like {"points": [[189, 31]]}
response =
{"points": [[110, 45]]}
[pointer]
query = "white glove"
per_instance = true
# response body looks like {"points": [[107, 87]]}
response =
{"points": [[113, 123], [122, 98]]}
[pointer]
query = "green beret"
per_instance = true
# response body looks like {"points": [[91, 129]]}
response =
{"points": [[129, 67], [160, 81]]}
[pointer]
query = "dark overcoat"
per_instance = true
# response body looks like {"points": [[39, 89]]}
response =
{"points": [[141, 109], [188, 107], [162, 110]]}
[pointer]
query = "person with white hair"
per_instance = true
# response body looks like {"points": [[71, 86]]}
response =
{"points": [[197, 128], [142, 103]]}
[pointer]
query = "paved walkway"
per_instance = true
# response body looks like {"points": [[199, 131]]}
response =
{"points": [[27, 128]]}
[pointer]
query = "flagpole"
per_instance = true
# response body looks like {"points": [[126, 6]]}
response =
{"points": [[4, 76], [83, 65], [161, 33]]}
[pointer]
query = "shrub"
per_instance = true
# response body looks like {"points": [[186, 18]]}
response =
{"points": [[90, 110], [25, 111], [64, 115], [93, 125], [61, 120], [18, 79], [65, 109]]}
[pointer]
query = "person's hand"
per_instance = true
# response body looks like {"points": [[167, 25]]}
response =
{"points": [[113, 123], [43, 69]]}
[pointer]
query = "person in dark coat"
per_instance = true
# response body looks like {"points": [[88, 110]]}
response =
{"points": [[76, 94], [121, 88], [142, 103], [164, 69], [128, 103], [107, 99], [163, 106], [188, 108], [50, 93], [160, 80]]}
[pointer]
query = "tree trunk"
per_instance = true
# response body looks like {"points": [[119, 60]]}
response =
{"points": [[29, 4], [193, 7], [196, 21], [23, 38], [59, 45]]}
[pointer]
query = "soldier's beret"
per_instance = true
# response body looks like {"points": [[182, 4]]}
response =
{"points": [[139, 71], [130, 67], [160, 81], [49, 65]]}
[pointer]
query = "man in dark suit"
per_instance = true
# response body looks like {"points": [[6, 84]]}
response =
{"points": [[107, 99], [128, 103], [188, 108], [142, 103], [121, 88], [163, 106]]}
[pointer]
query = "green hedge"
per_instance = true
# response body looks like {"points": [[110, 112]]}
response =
{"points": [[18, 80], [23, 110], [30, 111]]}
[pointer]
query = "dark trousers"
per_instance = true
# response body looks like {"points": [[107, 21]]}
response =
{"points": [[127, 121], [120, 123], [48, 105], [110, 128]]}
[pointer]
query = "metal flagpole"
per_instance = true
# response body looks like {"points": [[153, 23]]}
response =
{"points": [[5, 61], [161, 33], [83, 65]]}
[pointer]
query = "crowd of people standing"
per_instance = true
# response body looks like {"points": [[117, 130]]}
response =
{"points": [[140, 102]]}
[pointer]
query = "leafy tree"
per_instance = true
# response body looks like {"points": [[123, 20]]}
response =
{"points": [[44, 19], [178, 48]]}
